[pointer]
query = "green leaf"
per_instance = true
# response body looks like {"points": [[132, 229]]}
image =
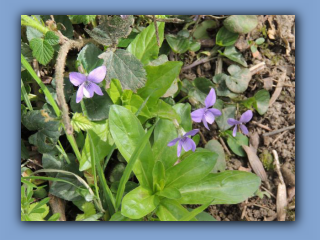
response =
{"points": [[64, 25], [225, 37], [134, 102], [102, 141], [87, 208], [111, 29], [193, 168], [178, 44], [127, 131], [97, 106], [227, 112], [63, 189], [41, 50], [203, 84], [48, 129], [55, 217], [131, 163], [171, 193], [261, 104], [170, 210], [235, 143], [164, 132], [159, 80], [88, 57], [124, 42], [158, 174], [163, 110], [201, 30], [239, 80], [222, 89], [190, 215], [119, 217], [138, 203], [38, 216], [231, 53], [27, 53], [116, 172], [241, 23], [204, 216], [24, 151], [184, 110], [126, 67], [259, 41], [215, 146], [85, 19], [51, 38], [129, 186], [160, 60], [228, 187], [145, 47], [80, 122], [115, 91]]}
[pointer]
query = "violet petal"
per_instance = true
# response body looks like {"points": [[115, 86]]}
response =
{"points": [[234, 133], [97, 75], [244, 129], [179, 149], [232, 121], [192, 132], [210, 99], [96, 89], [205, 122], [187, 144], [88, 90], [77, 78], [173, 142], [246, 116], [79, 94], [197, 115], [209, 117], [216, 112]]}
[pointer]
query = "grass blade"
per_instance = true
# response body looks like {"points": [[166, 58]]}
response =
{"points": [[195, 212]]}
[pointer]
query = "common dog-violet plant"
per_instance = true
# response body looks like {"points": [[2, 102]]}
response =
{"points": [[123, 157]]}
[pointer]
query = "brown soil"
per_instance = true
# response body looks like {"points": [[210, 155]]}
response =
{"points": [[279, 56]]}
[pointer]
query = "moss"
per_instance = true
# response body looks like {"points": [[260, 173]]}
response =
{"points": [[267, 160]]}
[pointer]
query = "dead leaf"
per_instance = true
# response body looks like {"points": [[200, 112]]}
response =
{"points": [[255, 162], [281, 201], [267, 83], [254, 140], [278, 90]]}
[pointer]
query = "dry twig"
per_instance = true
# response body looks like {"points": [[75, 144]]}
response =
{"points": [[156, 28], [282, 191], [279, 130], [261, 125]]}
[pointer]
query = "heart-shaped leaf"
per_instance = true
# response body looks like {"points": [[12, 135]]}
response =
{"points": [[236, 143], [231, 53], [239, 80], [261, 104], [88, 57], [222, 90], [241, 23], [201, 30], [225, 37]]}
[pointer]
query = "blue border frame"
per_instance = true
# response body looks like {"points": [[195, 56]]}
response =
{"points": [[307, 134]]}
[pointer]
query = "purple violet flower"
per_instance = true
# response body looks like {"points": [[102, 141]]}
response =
{"points": [[207, 114], [185, 142], [245, 117], [124, 16], [88, 84]]}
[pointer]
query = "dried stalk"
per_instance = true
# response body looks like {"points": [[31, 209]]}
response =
{"points": [[166, 20], [60, 65], [156, 28], [279, 131]]}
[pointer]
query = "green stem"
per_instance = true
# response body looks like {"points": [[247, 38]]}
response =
{"points": [[25, 96], [28, 21], [63, 152], [52, 103]]}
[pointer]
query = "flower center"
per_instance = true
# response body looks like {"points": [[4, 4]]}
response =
{"points": [[87, 84]]}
